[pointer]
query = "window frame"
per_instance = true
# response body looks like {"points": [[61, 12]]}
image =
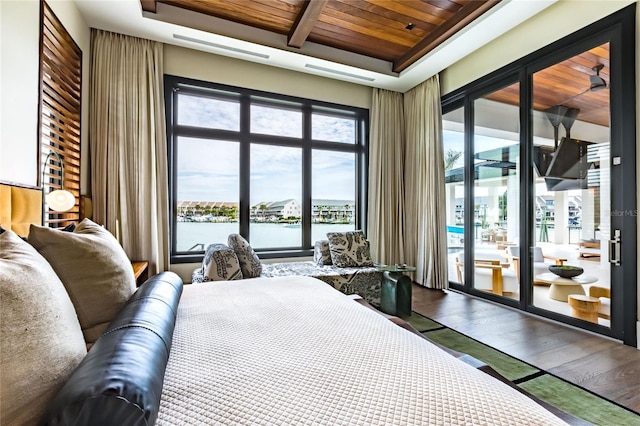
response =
{"points": [[246, 97]]}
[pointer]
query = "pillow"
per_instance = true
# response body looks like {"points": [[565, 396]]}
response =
{"points": [[94, 269], [41, 340], [120, 380], [249, 260], [321, 253], [220, 264], [349, 249]]}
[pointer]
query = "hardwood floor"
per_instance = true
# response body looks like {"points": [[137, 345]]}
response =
{"points": [[601, 365]]}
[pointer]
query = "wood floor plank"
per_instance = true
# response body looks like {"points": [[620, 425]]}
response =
{"points": [[599, 364]]}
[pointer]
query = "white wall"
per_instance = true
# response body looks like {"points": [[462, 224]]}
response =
{"points": [[553, 23], [221, 69], [19, 85]]}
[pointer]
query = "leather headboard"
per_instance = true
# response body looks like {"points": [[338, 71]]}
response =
{"points": [[19, 208]]}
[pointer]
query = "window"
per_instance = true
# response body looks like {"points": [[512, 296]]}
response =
{"points": [[279, 170], [60, 84]]}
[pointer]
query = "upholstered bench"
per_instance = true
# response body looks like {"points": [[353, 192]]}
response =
{"points": [[220, 263], [363, 280]]}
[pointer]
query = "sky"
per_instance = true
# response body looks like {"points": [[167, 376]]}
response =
{"points": [[209, 170]]}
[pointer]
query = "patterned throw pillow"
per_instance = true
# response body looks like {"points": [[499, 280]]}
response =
{"points": [[249, 260], [349, 249], [220, 264], [321, 253]]}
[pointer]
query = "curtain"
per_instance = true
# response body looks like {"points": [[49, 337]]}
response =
{"points": [[128, 145], [425, 232], [386, 178]]}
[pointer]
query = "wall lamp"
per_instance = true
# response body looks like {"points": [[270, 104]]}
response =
{"points": [[59, 200]]}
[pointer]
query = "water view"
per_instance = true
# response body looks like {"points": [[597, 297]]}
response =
{"points": [[196, 235]]}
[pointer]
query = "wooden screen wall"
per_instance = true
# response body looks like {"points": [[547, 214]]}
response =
{"points": [[59, 119]]}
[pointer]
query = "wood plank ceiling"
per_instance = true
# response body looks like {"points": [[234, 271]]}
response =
{"points": [[568, 83], [401, 32]]}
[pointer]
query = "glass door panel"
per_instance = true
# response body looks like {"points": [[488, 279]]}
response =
{"points": [[453, 140], [571, 159], [496, 156]]}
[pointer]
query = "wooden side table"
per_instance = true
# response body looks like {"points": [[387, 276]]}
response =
{"points": [[140, 271]]}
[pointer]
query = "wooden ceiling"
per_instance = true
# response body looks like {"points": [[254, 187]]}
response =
{"points": [[401, 32], [567, 83], [397, 31]]}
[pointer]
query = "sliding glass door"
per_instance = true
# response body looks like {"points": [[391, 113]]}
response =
{"points": [[496, 191], [572, 187], [541, 182]]}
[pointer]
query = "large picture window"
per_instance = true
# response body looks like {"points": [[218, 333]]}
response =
{"points": [[279, 170]]}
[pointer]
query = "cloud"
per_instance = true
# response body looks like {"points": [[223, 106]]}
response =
{"points": [[208, 170]]}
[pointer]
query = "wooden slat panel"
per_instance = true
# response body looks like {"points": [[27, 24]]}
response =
{"points": [[60, 75]]}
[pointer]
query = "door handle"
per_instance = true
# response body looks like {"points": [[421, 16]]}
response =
{"points": [[614, 248]]}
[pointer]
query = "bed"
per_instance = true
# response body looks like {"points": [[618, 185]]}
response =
{"points": [[263, 351]]}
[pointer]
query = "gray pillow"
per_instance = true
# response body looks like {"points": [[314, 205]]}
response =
{"points": [[349, 249], [220, 264], [42, 342], [321, 253], [94, 269], [249, 260]]}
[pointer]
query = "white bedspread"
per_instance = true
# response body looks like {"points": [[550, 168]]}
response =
{"points": [[292, 351]]}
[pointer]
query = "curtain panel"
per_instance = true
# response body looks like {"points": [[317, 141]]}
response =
{"points": [[386, 177], [425, 232], [128, 145]]}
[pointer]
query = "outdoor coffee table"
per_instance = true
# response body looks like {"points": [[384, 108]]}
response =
{"points": [[561, 288]]}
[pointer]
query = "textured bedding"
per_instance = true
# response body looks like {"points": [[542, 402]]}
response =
{"points": [[292, 350]]}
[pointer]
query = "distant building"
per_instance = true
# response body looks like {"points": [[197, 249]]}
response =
{"points": [[207, 211], [322, 210], [332, 210], [274, 210]]}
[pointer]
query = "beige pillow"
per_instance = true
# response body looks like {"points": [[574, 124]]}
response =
{"points": [[94, 269], [40, 338]]}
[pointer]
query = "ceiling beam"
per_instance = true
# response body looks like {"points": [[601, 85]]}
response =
{"points": [[305, 21], [149, 5], [459, 20]]}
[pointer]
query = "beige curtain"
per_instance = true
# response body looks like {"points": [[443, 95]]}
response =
{"points": [[385, 223], [128, 145], [425, 232]]}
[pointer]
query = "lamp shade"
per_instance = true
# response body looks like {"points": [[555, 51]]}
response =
{"points": [[60, 200]]}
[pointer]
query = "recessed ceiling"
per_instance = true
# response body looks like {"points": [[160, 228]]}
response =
{"points": [[380, 43], [399, 32]]}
